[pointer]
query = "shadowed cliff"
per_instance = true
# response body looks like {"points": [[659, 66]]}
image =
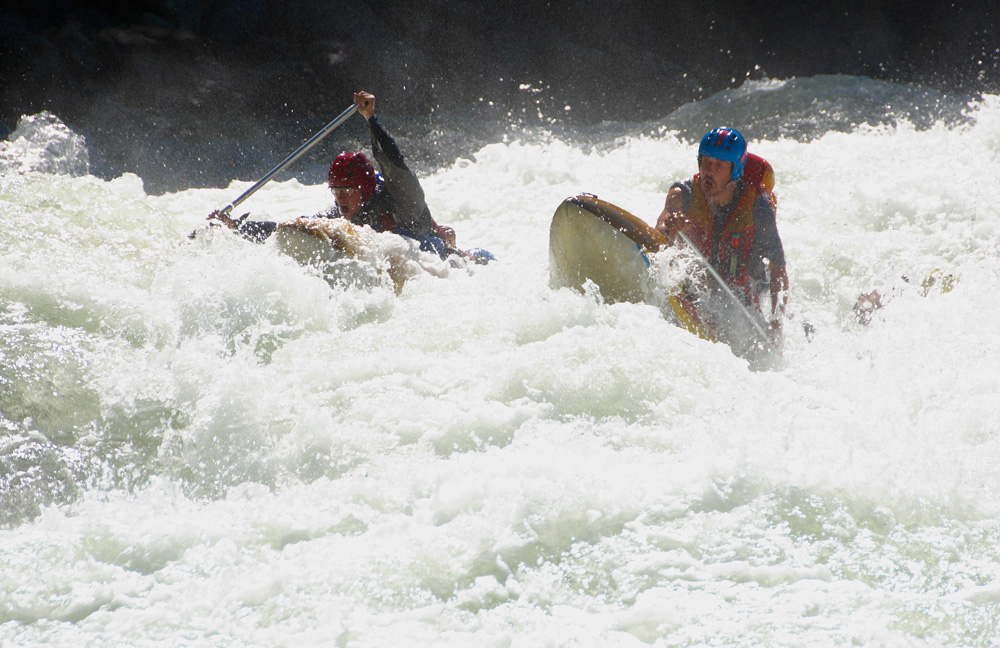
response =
{"points": [[194, 93]]}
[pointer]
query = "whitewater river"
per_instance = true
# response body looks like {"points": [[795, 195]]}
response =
{"points": [[205, 443]]}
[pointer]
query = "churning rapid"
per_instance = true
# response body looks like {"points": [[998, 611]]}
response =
{"points": [[205, 443]]}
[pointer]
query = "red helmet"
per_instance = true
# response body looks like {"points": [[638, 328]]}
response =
{"points": [[353, 170]]}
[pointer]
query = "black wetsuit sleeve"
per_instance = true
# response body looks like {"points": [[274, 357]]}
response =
{"points": [[406, 197], [256, 231], [767, 242], [259, 231]]}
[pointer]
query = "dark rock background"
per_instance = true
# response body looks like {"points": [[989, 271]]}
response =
{"points": [[197, 92]]}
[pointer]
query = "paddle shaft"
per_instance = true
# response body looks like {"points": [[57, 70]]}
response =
{"points": [[315, 139], [729, 291]]}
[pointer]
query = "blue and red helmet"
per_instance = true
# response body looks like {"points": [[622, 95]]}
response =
{"points": [[725, 144]]}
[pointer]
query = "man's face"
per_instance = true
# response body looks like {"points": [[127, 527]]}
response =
{"points": [[715, 175], [349, 200]]}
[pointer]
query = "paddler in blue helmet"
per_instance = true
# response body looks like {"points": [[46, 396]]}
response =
{"points": [[392, 201], [728, 211]]}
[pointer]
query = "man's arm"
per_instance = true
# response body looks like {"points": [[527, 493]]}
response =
{"points": [[779, 287], [672, 219], [769, 246], [256, 231], [406, 195]]}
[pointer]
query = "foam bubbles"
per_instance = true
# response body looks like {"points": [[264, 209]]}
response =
{"points": [[43, 143], [241, 452]]}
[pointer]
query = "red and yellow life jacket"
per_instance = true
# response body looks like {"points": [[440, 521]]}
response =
{"points": [[729, 250]]}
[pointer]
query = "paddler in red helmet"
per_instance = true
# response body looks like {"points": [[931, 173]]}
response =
{"points": [[728, 211], [392, 201]]}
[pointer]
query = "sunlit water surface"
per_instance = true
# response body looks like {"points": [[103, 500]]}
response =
{"points": [[204, 443]]}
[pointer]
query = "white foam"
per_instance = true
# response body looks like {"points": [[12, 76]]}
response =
{"points": [[43, 143], [256, 457]]}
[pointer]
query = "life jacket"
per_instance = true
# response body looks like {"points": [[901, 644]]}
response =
{"points": [[729, 250], [377, 219], [376, 214]]}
